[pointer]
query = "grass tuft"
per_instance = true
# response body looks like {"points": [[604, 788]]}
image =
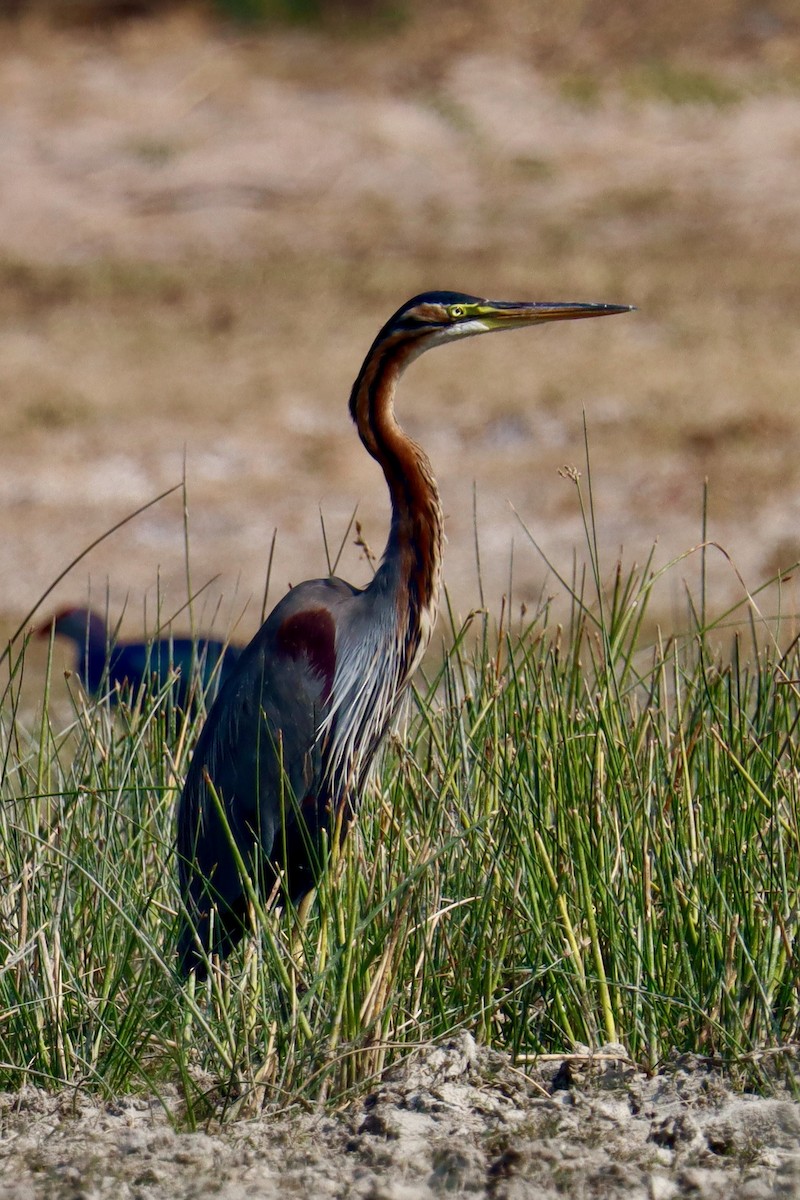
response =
{"points": [[576, 839]]}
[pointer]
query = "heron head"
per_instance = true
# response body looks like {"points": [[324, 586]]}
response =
{"points": [[79, 624], [436, 317], [433, 318]]}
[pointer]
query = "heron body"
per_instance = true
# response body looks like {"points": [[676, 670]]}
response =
{"points": [[104, 664], [284, 752]]}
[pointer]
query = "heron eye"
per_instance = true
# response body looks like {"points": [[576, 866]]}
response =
{"points": [[457, 310]]}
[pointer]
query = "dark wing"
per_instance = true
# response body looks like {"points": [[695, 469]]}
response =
{"points": [[231, 656], [256, 777]]}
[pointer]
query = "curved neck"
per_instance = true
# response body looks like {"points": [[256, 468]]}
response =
{"points": [[412, 559]]}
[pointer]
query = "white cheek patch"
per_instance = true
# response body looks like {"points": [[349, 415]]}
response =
{"points": [[468, 328], [449, 333]]}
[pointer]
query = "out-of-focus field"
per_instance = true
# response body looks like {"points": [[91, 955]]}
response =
{"points": [[202, 229]]}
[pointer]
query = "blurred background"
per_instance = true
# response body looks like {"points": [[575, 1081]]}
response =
{"points": [[208, 210]]}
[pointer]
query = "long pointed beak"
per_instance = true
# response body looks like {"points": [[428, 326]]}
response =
{"points": [[504, 314]]}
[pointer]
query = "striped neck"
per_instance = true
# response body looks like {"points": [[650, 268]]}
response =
{"points": [[412, 559]]}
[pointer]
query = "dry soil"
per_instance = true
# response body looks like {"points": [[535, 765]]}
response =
{"points": [[456, 1120]]}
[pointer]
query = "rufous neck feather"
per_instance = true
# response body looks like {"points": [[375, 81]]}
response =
{"points": [[416, 535]]}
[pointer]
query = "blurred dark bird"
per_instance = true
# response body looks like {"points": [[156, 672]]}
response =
{"points": [[286, 746], [103, 664]]}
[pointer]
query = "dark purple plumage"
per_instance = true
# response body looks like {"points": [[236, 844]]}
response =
{"points": [[104, 665], [287, 745]]}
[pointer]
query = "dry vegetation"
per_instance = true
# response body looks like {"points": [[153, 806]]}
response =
{"points": [[202, 230]]}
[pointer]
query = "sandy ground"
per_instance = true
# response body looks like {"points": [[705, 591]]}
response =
{"points": [[201, 234], [454, 1121]]}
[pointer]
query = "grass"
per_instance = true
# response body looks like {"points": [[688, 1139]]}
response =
{"points": [[663, 81], [576, 839], [579, 834]]}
